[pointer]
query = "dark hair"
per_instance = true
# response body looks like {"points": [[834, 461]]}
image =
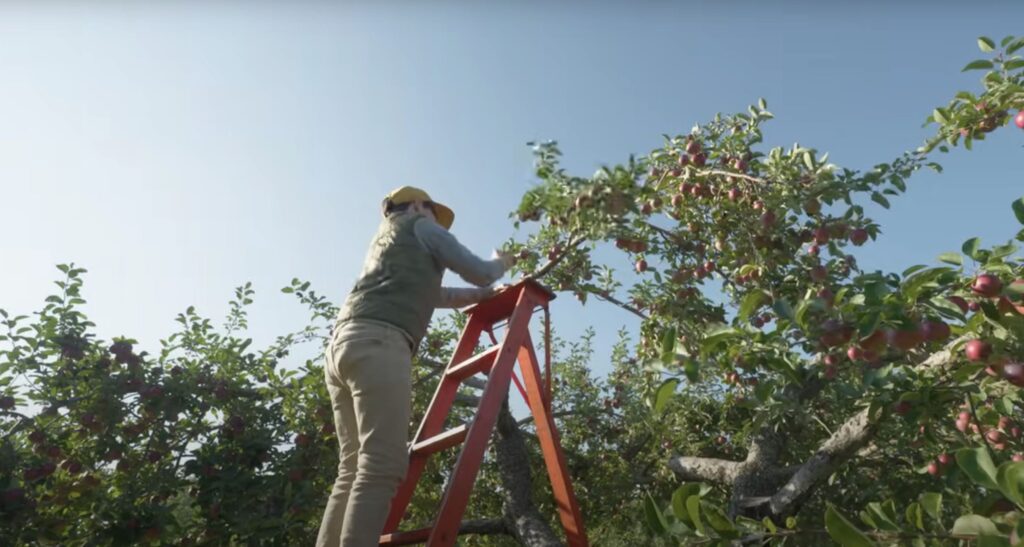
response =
{"points": [[389, 207]]}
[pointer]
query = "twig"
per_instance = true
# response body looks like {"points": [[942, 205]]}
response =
{"points": [[621, 304], [544, 270]]}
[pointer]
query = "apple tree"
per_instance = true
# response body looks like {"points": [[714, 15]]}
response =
{"points": [[744, 274]]}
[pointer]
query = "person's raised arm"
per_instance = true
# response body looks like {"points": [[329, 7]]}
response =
{"points": [[456, 257]]}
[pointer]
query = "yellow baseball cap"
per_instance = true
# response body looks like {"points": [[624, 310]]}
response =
{"points": [[445, 216]]}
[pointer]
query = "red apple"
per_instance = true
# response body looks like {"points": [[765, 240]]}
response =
{"points": [[858, 236], [977, 350], [819, 273], [768, 219], [821, 235], [904, 339], [944, 459], [735, 194], [835, 333], [934, 469], [994, 435], [641, 266], [1018, 457], [1014, 373], [902, 408], [693, 147], [934, 330], [1018, 120], [987, 285], [874, 341]]}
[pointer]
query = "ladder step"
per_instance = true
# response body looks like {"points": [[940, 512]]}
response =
{"points": [[406, 538], [480, 362], [442, 441]]}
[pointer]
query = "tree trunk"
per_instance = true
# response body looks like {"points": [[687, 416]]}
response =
{"points": [[527, 524]]}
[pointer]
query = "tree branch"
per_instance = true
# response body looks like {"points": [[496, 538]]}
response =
{"points": [[543, 270], [621, 304], [841, 446], [705, 469], [484, 527]]}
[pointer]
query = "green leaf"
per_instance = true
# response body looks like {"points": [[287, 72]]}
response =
{"points": [[692, 370], [1018, 210], [951, 258], [986, 44], [977, 464], [1002, 251], [915, 516], [843, 531], [679, 498], [655, 520], [664, 394], [668, 346], [974, 525], [1010, 477], [1014, 64], [881, 519], [879, 199], [971, 246], [931, 502], [693, 510], [977, 65], [717, 336], [750, 303], [784, 310], [718, 520], [809, 161], [1014, 46], [769, 525], [938, 116]]}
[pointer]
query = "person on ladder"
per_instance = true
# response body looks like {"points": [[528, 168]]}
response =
{"points": [[369, 358]]}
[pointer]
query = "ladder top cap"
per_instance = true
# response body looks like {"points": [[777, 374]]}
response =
{"points": [[506, 299]]}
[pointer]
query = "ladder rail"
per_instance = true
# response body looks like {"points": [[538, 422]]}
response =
{"points": [[437, 411], [513, 309], [460, 485]]}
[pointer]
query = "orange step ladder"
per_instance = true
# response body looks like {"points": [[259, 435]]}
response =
{"points": [[516, 305]]}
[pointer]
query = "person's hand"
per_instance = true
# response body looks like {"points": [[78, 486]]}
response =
{"points": [[507, 260], [490, 292]]}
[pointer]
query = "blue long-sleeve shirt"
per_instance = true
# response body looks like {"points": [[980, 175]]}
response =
{"points": [[453, 255]]}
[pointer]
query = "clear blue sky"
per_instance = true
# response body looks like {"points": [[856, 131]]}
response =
{"points": [[181, 150]]}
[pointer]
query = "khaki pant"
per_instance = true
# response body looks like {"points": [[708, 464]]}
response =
{"points": [[369, 378]]}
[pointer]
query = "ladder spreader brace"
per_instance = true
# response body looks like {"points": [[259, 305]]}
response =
{"points": [[515, 304]]}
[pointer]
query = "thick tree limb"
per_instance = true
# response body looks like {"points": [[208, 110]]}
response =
{"points": [[841, 446], [484, 527], [705, 469], [522, 516], [467, 400]]}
